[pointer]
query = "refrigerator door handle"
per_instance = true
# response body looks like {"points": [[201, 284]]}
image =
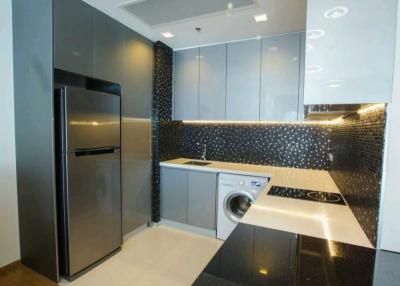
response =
{"points": [[95, 151]]}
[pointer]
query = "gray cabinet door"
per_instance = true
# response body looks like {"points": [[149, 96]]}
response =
{"points": [[186, 85], [300, 111], [136, 130], [174, 194], [202, 188], [108, 48], [212, 86], [74, 36], [280, 74], [243, 80]]}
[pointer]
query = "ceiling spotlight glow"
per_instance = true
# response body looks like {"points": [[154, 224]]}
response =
{"points": [[313, 69], [309, 48], [334, 83], [315, 34], [261, 18], [336, 12], [167, 35]]}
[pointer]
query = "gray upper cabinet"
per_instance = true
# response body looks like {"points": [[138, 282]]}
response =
{"points": [[174, 194], [202, 189], [74, 36], [350, 51], [212, 86], [243, 80], [300, 111], [138, 75], [109, 48], [280, 77], [186, 84]]}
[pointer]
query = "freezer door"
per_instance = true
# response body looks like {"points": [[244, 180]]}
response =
{"points": [[93, 207], [92, 119]]}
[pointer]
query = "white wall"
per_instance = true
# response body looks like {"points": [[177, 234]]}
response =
{"points": [[390, 206], [9, 233]]}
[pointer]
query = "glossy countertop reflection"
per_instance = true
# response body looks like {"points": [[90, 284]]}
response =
{"points": [[254, 255]]}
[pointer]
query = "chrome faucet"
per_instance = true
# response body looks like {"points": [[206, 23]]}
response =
{"points": [[203, 157]]}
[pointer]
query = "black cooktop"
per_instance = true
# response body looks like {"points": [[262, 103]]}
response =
{"points": [[257, 256], [308, 195]]}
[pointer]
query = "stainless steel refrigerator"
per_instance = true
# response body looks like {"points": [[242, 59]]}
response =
{"points": [[88, 177]]}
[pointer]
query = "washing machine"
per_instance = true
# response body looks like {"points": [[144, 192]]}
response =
{"points": [[236, 193]]}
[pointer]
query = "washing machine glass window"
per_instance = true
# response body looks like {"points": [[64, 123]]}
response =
{"points": [[236, 205]]}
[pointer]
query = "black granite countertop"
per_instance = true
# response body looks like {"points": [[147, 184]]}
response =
{"points": [[256, 256]]}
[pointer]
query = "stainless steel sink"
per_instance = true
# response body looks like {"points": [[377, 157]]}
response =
{"points": [[198, 163]]}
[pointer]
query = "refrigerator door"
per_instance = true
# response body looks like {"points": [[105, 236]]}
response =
{"points": [[94, 206], [92, 119]]}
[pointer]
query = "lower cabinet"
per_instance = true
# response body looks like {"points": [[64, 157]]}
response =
{"points": [[174, 194], [189, 197], [202, 189]]}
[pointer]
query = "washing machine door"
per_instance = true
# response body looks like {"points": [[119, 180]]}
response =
{"points": [[236, 205]]}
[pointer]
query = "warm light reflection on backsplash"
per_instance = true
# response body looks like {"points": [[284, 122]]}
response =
{"points": [[316, 122], [93, 123], [371, 108]]}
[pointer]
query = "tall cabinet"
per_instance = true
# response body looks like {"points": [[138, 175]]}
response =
{"points": [[73, 36]]}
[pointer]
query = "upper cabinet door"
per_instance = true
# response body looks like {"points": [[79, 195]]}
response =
{"points": [[186, 85], [73, 36], [280, 75], [108, 48], [138, 75], [243, 80], [350, 50], [212, 89]]}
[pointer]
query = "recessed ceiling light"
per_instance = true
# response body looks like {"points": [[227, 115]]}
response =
{"points": [[167, 35], [313, 69], [336, 12], [261, 17], [315, 34]]}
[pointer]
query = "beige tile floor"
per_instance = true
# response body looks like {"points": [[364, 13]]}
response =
{"points": [[155, 256]]}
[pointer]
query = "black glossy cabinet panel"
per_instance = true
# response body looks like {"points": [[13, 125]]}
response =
{"points": [[74, 36], [108, 48]]}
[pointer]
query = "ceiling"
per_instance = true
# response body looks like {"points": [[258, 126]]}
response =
{"points": [[218, 23]]}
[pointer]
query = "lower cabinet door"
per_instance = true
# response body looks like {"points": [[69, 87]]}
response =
{"points": [[174, 194], [202, 189]]}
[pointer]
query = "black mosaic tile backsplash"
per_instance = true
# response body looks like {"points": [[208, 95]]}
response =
{"points": [[161, 111], [289, 145], [357, 146]]}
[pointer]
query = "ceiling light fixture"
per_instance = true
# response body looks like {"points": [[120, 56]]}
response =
{"points": [[313, 69], [261, 18], [167, 35], [315, 34], [336, 12]]}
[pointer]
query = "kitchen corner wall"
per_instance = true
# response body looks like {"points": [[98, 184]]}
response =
{"points": [[161, 112], [357, 146]]}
